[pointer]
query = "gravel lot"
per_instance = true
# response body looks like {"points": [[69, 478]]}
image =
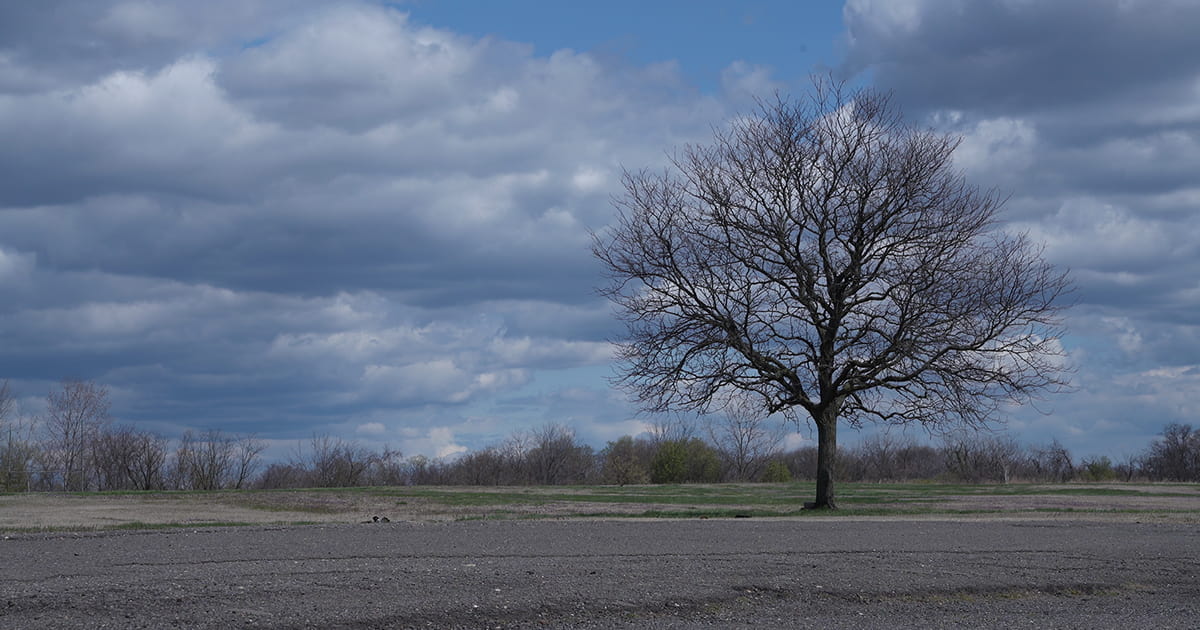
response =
{"points": [[740, 573]]}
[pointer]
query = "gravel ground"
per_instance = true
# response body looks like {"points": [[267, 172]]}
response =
{"points": [[739, 573]]}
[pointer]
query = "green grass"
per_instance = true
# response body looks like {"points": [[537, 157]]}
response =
{"points": [[767, 500], [662, 501], [697, 513], [784, 495]]}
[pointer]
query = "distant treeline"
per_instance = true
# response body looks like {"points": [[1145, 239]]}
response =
{"points": [[76, 446]]}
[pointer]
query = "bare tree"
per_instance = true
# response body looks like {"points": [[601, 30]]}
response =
{"points": [[331, 462], [485, 467], [880, 457], [214, 460], [1053, 462], [247, 457], [126, 458], [423, 471], [281, 475], [801, 462], [112, 451], [745, 439], [515, 453], [8, 405], [18, 450], [386, 469], [670, 428], [825, 258], [1129, 466], [917, 461], [76, 414], [975, 458], [204, 461], [556, 458], [149, 466], [1175, 456]]}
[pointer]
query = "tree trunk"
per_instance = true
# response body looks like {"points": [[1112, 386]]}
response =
{"points": [[826, 459]]}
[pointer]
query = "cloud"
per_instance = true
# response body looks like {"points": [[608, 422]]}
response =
{"points": [[1084, 112], [288, 217], [1001, 150], [15, 267], [439, 442], [1000, 56], [371, 428], [57, 43], [743, 82], [1167, 386], [353, 67]]}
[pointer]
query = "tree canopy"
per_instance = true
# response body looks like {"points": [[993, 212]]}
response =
{"points": [[825, 259]]}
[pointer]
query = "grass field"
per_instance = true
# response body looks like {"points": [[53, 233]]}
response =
{"points": [[126, 510]]}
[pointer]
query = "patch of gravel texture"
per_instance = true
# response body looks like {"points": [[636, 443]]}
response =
{"points": [[735, 573]]}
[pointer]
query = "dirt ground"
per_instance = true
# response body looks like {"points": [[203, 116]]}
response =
{"points": [[34, 512], [752, 574]]}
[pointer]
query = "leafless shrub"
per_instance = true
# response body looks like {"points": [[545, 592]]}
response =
{"points": [[335, 463], [203, 461], [745, 440], [976, 459], [886, 457], [18, 449], [423, 471], [1175, 456], [213, 460], [281, 475], [76, 414], [556, 458], [128, 459], [386, 469], [484, 467], [1051, 462], [671, 428], [801, 462], [247, 457]]}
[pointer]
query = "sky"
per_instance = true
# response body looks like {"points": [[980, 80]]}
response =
{"points": [[371, 219]]}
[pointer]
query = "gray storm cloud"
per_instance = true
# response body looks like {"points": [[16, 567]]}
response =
{"points": [[1086, 113], [295, 217], [289, 216]]}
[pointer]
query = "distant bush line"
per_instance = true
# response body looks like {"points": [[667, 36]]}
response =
{"points": [[76, 447]]}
